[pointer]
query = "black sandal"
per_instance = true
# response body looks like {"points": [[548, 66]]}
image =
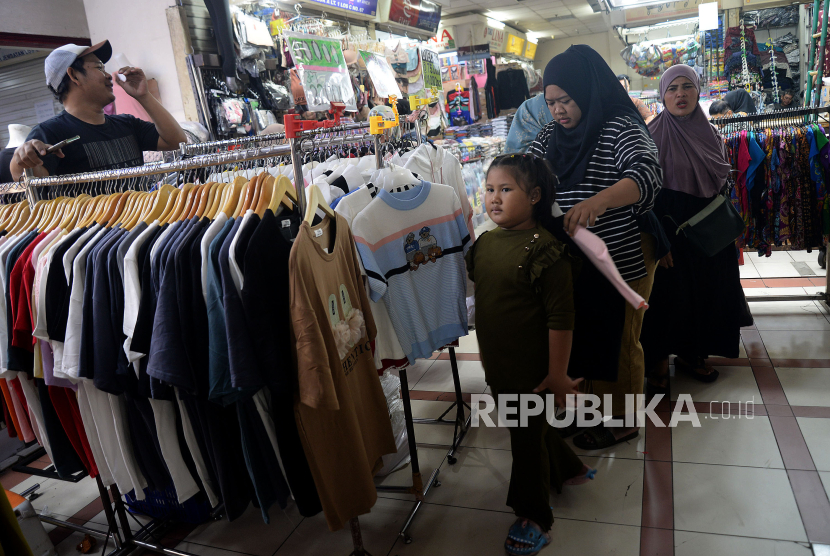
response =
{"points": [[603, 438], [653, 386], [691, 369]]}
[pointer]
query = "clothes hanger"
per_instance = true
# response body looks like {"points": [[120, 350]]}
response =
{"points": [[265, 196], [316, 201], [244, 198], [159, 204], [212, 192], [169, 206], [219, 199], [193, 203], [181, 201], [234, 193], [283, 189]]}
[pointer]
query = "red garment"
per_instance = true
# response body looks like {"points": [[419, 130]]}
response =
{"points": [[8, 407], [20, 295], [743, 165], [66, 406], [22, 410]]}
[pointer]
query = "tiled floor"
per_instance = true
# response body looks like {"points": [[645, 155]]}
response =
{"points": [[740, 484]]}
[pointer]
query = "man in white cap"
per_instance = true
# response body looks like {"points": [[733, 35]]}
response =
{"points": [[76, 75]]}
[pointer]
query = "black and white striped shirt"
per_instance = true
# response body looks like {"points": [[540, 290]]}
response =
{"points": [[624, 150]]}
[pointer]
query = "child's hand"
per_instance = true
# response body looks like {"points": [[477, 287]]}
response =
{"points": [[560, 386]]}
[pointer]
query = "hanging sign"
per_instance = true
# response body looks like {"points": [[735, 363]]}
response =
{"points": [[470, 44], [419, 14], [708, 16], [496, 39], [443, 40], [381, 74], [530, 50], [515, 45], [432, 69], [368, 7], [322, 71]]}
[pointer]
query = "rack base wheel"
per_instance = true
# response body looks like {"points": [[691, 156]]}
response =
{"points": [[407, 539], [452, 460], [436, 483], [822, 257]]}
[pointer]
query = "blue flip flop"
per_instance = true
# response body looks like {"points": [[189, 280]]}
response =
{"points": [[528, 533]]}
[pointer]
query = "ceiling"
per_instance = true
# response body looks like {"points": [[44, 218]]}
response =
{"points": [[560, 18]]}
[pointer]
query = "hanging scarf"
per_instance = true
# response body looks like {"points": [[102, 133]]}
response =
{"points": [[582, 73], [691, 151]]}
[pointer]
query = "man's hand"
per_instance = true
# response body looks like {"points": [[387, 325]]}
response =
{"points": [[136, 83], [28, 154], [667, 261], [560, 386], [585, 213]]}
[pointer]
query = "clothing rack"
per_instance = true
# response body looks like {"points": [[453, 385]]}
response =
{"points": [[304, 141], [775, 118], [781, 118]]}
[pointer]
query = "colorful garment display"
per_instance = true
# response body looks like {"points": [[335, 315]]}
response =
{"points": [[780, 188]]}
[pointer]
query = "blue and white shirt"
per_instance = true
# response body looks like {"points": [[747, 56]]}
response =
{"points": [[412, 245]]}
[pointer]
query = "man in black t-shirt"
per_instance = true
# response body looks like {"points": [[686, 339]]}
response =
{"points": [[76, 75]]}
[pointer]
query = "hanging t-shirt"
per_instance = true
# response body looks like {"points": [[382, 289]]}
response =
{"points": [[341, 410], [412, 245]]}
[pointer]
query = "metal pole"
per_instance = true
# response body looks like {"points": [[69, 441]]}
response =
{"points": [[821, 54], [810, 71], [299, 183], [113, 525], [378, 156], [73, 527]]}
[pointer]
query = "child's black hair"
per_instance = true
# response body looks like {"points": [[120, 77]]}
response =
{"points": [[530, 171]]}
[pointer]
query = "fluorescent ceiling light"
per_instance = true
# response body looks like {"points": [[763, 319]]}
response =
{"points": [[533, 40], [626, 4], [664, 24], [534, 36], [494, 23]]}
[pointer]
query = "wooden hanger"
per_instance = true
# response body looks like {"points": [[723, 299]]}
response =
{"points": [[283, 193], [249, 195], [192, 203], [159, 203], [266, 193], [45, 215], [142, 209], [212, 192], [75, 214], [28, 224], [241, 201], [203, 200], [232, 200], [316, 201], [218, 199], [133, 201], [56, 216], [180, 202], [8, 211], [23, 216]]}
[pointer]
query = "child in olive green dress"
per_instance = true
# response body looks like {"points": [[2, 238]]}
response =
{"points": [[524, 322]]}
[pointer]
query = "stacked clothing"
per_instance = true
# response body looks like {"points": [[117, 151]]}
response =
{"points": [[486, 130], [501, 125]]}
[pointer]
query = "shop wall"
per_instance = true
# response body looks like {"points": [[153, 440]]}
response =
{"points": [[139, 30], [608, 45], [44, 17]]}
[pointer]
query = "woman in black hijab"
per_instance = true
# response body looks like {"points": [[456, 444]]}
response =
{"points": [[609, 174], [740, 101]]}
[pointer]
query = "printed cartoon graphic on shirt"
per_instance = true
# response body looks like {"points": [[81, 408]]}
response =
{"points": [[349, 330], [425, 250], [422, 251]]}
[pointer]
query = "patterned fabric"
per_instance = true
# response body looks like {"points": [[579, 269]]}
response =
{"points": [[786, 204]]}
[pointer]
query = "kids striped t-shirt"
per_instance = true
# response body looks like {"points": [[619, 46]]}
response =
{"points": [[412, 245]]}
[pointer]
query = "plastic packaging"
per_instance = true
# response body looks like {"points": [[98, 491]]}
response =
{"points": [[392, 390]]}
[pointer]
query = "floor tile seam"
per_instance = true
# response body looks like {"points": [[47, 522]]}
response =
{"points": [[213, 546], [773, 539], [510, 512]]}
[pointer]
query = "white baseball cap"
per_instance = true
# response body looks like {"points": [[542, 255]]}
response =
{"points": [[61, 58]]}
